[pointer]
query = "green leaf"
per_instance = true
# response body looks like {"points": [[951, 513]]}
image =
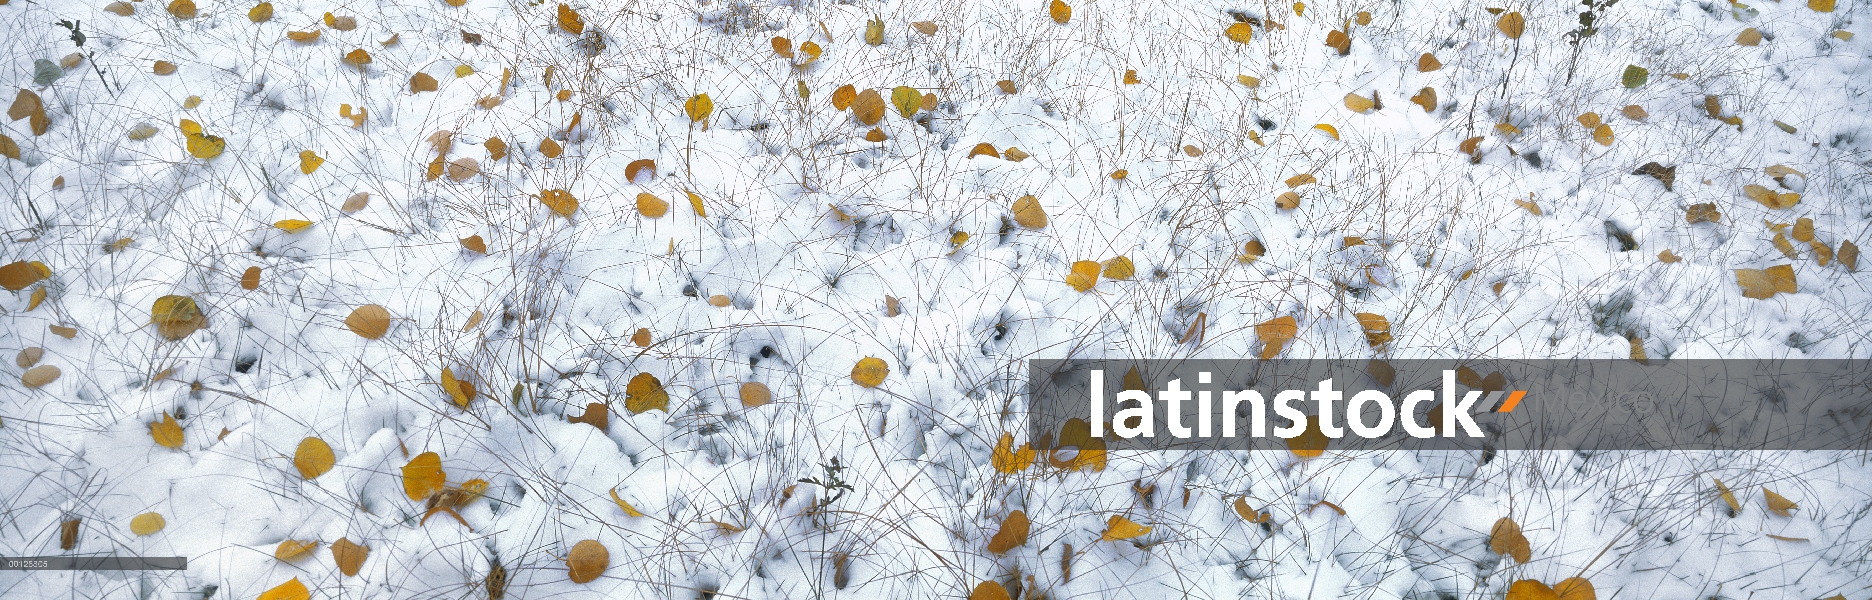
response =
{"points": [[906, 99], [1636, 76]]}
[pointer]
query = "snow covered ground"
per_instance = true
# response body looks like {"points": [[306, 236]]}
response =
{"points": [[819, 248]]}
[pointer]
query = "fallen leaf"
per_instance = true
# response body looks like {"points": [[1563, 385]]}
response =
{"points": [[176, 316], [1357, 103], [1240, 33], [1249, 514], [1777, 503], [1330, 130], [1702, 213], [755, 394], [291, 590], [146, 524], [1120, 528], [906, 99], [357, 58], [1635, 76], [349, 555], [463, 169], [844, 96], [1118, 268], [698, 107], [1749, 37], [1061, 12], [182, 9], [1028, 213], [1602, 134], [874, 32], [1312, 442], [570, 21], [166, 432], [625, 506], [1511, 25], [28, 357], [1823, 6], [1428, 62], [423, 476], [1735, 507], [356, 202], [989, 590], [1339, 40], [924, 27], [1505, 539], [1015, 154], [38, 377], [587, 561], [369, 321], [422, 82], [645, 393], [121, 9], [1252, 251], [1083, 275], [870, 372], [1008, 460], [651, 206], [1664, 175], [313, 458], [1012, 533], [1529, 589], [639, 167], [1575, 588], [293, 549], [1287, 201], [868, 107]]}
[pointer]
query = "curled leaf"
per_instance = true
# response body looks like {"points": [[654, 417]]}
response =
{"points": [[1120, 528]]}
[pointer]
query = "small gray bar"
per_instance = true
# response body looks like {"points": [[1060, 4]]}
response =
{"points": [[93, 563]]}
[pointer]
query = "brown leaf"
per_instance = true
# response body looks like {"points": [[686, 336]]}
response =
{"points": [[924, 27], [1749, 37], [28, 357], [38, 377], [1428, 62], [571, 22], [868, 107], [1288, 200], [349, 555], [755, 394], [1575, 588], [1505, 538], [182, 9], [293, 549], [1849, 255], [1702, 213], [1007, 87], [369, 321], [121, 9], [463, 169], [596, 415], [1011, 535], [1777, 503], [639, 167], [1029, 214], [356, 202], [1426, 98], [1664, 175], [422, 82], [68, 534], [1668, 257], [475, 244], [641, 337], [844, 96], [1511, 25], [550, 148], [496, 148], [1762, 284], [1634, 112], [1338, 40], [587, 561], [989, 590]]}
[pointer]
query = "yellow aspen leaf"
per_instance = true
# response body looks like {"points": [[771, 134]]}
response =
{"points": [[182, 9], [349, 555], [1012, 533], [874, 32], [422, 82], [1507, 129], [843, 97], [624, 506], [1602, 134], [1363, 17], [1512, 25], [1299, 9], [357, 58], [1529, 205], [720, 301], [1357, 103], [924, 27], [38, 296], [1728, 497], [956, 240], [1120, 528], [38, 377], [1339, 40], [639, 167], [870, 372], [1312, 442], [423, 476], [1248, 81], [304, 37], [1240, 33], [1377, 328], [1428, 62], [1248, 514], [906, 99], [1777, 503], [651, 206], [1083, 276], [1781, 243], [1300, 180], [1062, 13], [570, 21], [313, 458], [550, 149], [1028, 213], [1668, 257], [989, 590], [984, 149], [460, 392], [1288, 200], [1119, 268], [293, 549], [147, 523], [1589, 120], [754, 394], [1120, 174], [292, 225], [261, 12], [1529, 589], [1131, 77], [1762, 284], [1749, 37], [1575, 588], [645, 393], [868, 107], [1328, 129], [1016, 155], [496, 148], [781, 46], [875, 135], [1076, 449], [309, 161], [560, 201], [587, 561], [1634, 112], [176, 316], [1824, 6], [808, 52], [1252, 251], [698, 107], [166, 432], [1505, 539], [695, 203], [291, 590], [369, 321], [205, 146], [1008, 460], [11, 149], [15, 276]]}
